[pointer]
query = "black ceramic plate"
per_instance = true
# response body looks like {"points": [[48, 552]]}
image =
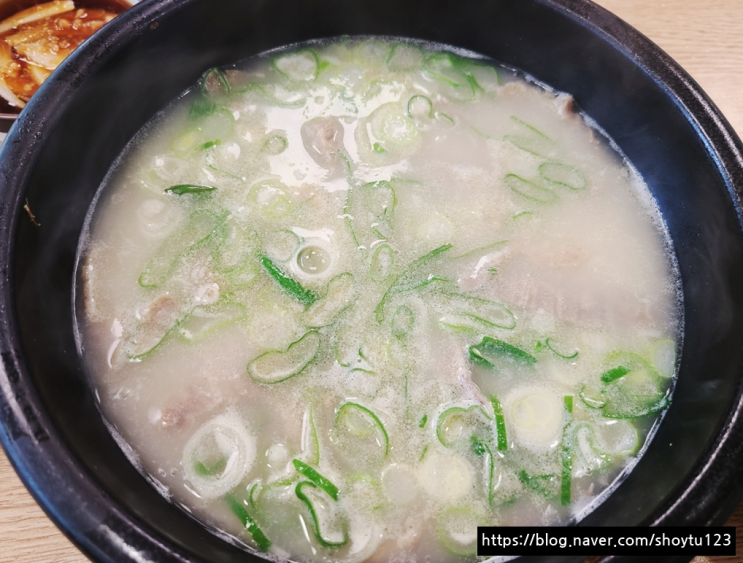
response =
{"points": [[64, 142]]}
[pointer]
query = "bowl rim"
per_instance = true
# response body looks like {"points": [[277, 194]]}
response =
{"points": [[36, 450]]}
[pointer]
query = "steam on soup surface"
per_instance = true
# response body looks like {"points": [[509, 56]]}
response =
{"points": [[348, 301]]}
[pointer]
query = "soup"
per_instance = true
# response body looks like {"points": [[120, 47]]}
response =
{"points": [[350, 300]]}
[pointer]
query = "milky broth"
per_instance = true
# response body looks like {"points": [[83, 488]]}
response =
{"points": [[350, 300]]}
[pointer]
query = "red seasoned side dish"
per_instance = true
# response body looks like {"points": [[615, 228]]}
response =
{"points": [[35, 39]]}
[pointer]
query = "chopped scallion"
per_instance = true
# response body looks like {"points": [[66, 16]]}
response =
{"points": [[614, 374], [289, 284], [408, 278], [311, 474], [490, 352], [351, 408], [182, 189], [567, 454], [301, 495], [500, 424], [250, 524]]}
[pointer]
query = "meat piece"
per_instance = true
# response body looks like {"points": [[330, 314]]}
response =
{"points": [[154, 324], [184, 408], [323, 141], [565, 105]]}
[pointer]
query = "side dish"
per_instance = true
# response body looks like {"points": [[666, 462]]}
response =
{"points": [[35, 40]]}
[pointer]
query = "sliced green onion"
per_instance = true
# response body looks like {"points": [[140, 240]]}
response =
{"points": [[456, 423], [201, 107], [283, 96], [213, 128], [210, 144], [529, 190], [420, 107], [599, 444], [444, 69], [373, 52], [402, 321], [363, 356], [236, 245], [340, 295], [218, 455], [395, 131], [537, 147], [563, 175], [346, 349], [311, 474], [555, 350], [445, 118], [300, 66], [275, 144], [536, 143], [141, 347], [483, 77], [269, 196], [481, 448], [530, 127], [423, 421], [187, 141], [467, 312], [368, 212], [614, 374], [541, 484], [301, 495], [584, 440], [500, 424], [281, 483], [456, 528], [382, 263], [242, 276], [483, 250], [408, 278], [592, 402], [310, 440], [276, 366], [239, 510], [362, 370], [426, 283], [567, 454], [354, 409], [281, 245], [202, 226], [478, 446], [205, 320], [633, 388], [254, 490], [289, 284], [491, 352], [404, 57], [215, 468], [379, 198]]}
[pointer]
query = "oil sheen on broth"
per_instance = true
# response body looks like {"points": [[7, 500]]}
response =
{"points": [[348, 301]]}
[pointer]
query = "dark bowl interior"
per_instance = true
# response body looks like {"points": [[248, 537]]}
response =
{"points": [[63, 144]]}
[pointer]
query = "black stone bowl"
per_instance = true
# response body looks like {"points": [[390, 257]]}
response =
{"points": [[64, 142]]}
